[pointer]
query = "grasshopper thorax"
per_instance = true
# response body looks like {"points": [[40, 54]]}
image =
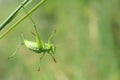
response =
{"points": [[49, 48]]}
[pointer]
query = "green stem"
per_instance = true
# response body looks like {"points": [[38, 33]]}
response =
{"points": [[14, 13], [19, 21]]}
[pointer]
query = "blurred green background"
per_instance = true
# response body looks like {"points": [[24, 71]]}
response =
{"points": [[87, 41]]}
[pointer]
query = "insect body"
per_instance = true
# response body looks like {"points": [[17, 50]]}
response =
{"points": [[40, 47], [45, 47]]}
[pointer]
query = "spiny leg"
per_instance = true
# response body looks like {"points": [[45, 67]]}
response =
{"points": [[13, 54], [53, 57], [40, 61]]}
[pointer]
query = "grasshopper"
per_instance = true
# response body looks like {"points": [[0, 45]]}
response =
{"points": [[38, 46]]}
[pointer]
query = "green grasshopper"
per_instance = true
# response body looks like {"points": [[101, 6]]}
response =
{"points": [[39, 46]]}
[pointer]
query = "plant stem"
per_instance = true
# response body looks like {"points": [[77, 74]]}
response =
{"points": [[24, 17], [14, 13]]}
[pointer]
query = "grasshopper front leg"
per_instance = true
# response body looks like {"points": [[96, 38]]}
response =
{"points": [[40, 61], [13, 54]]}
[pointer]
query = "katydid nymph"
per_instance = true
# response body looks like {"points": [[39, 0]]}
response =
{"points": [[39, 46]]}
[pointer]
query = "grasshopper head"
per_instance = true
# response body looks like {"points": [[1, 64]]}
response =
{"points": [[49, 47], [53, 48]]}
